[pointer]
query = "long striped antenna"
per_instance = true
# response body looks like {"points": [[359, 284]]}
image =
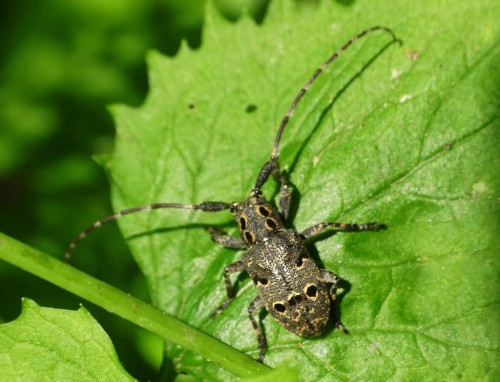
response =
{"points": [[206, 206], [271, 163]]}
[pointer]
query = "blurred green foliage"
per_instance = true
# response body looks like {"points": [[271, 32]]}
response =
{"points": [[62, 64]]}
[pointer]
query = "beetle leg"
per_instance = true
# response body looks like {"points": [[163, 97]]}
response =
{"points": [[222, 238], [232, 268], [285, 192], [345, 227], [333, 278], [254, 306]]}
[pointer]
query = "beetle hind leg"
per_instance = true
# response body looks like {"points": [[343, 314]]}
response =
{"points": [[233, 268], [254, 306], [333, 278]]}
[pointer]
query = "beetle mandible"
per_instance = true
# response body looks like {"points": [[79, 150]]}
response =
{"points": [[291, 287]]}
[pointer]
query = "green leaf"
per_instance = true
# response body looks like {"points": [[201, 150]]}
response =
{"points": [[46, 344], [405, 135]]}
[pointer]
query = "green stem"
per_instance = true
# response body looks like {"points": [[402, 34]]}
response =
{"points": [[127, 307]]}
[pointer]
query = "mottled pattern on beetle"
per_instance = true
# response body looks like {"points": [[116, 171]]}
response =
{"points": [[256, 218], [289, 282]]}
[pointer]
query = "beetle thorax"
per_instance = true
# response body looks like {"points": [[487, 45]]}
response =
{"points": [[257, 219]]}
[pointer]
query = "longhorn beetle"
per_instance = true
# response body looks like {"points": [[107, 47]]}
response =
{"points": [[290, 285]]}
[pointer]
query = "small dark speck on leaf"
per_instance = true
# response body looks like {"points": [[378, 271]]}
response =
{"points": [[251, 108], [191, 106]]}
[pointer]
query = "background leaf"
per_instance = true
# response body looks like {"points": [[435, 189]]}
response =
{"points": [[403, 135], [46, 344]]}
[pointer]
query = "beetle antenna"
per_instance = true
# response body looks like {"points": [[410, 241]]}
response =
{"points": [[318, 71], [206, 206], [270, 164]]}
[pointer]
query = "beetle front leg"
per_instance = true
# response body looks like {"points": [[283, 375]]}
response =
{"points": [[222, 238], [285, 192], [233, 268]]}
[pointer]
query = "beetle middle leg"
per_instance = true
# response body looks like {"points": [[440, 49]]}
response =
{"points": [[345, 227]]}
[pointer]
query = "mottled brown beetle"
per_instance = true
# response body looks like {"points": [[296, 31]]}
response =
{"points": [[291, 286]]}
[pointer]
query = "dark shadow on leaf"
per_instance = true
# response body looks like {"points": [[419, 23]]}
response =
{"points": [[345, 3], [345, 287], [294, 205], [165, 230], [335, 313], [313, 252]]}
